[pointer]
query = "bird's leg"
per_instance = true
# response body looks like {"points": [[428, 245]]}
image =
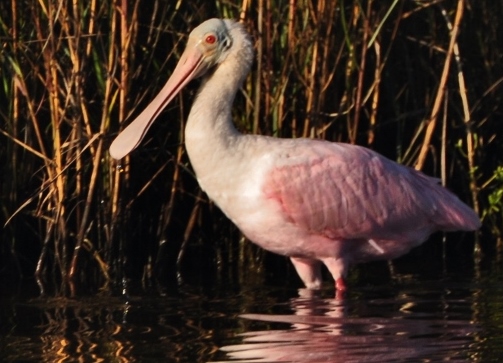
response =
{"points": [[340, 284], [337, 269], [309, 271]]}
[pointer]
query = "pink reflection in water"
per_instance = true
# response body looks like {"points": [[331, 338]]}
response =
{"points": [[321, 330]]}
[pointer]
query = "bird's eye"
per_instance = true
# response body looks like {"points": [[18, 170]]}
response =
{"points": [[210, 39]]}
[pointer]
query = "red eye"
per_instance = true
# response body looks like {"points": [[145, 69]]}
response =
{"points": [[210, 39]]}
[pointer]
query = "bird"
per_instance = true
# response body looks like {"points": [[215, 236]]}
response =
{"points": [[319, 203]]}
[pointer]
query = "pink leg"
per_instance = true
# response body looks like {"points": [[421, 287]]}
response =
{"points": [[309, 271], [340, 284], [337, 268]]}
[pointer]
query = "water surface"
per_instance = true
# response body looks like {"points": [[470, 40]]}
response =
{"points": [[454, 319]]}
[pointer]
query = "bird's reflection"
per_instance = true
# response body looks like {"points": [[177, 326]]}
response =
{"points": [[325, 330]]}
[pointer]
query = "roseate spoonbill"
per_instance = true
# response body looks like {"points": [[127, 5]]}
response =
{"points": [[317, 202]]}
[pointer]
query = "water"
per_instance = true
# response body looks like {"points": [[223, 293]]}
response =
{"points": [[459, 319]]}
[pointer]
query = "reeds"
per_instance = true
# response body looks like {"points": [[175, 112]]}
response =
{"points": [[380, 74]]}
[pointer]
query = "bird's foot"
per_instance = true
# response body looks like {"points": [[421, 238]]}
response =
{"points": [[340, 284], [340, 289]]}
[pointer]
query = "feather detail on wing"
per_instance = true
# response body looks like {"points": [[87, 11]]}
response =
{"points": [[349, 192]]}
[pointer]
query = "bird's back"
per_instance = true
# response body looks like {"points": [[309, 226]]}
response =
{"points": [[350, 192]]}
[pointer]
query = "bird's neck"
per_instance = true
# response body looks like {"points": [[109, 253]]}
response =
{"points": [[210, 135], [210, 115], [209, 132]]}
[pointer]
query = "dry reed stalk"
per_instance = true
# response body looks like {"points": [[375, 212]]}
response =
{"points": [[167, 209], [353, 132], [431, 123], [380, 63], [244, 9], [39, 269], [347, 99], [258, 80], [90, 31], [443, 144], [71, 30], [54, 205], [15, 104], [470, 135], [327, 68], [467, 120], [109, 99], [277, 84], [375, 95], [290, 41], [85, 215], [312, 57], [188, 230], [310, 79]]}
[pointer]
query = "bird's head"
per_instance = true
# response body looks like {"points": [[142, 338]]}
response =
{"points": [[209, 44]]}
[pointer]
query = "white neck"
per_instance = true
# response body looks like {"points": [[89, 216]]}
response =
{"points": [[210, 134]]}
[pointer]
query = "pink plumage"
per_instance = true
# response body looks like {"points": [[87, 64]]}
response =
{"points": [[315, 201], [348, 193]]}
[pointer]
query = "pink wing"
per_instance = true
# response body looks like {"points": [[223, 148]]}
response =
{"points": [[350, 192]]}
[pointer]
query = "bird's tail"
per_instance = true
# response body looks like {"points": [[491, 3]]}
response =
{"points": [[455, 215]]}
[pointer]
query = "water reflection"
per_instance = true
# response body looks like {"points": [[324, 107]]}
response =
{"points": [[422, 322], [105, 329], [380, 330], [61, 330]]}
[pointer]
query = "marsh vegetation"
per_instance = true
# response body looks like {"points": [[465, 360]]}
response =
{"points": [[418, 81]]}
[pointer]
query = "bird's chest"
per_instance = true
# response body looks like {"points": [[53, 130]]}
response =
{"points": [[236, 186], [237, 190], [235, 180]]}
